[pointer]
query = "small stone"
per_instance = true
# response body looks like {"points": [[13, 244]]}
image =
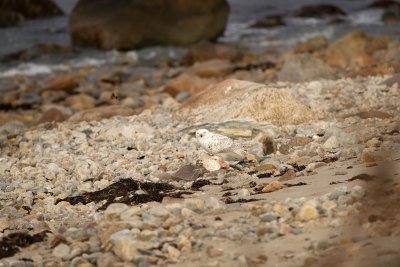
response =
{"points": [[266, 167], [189, 172], [368, 155], [62, 251], [314, 165], [287, 176], [243, 193], [126, 246], [66, 83], [284, 229], [374, 142], [185, 245], [329, 205], [339, 191], [268, 217], [358, 191], [4, 224], [80, 101], [331, 143], [116, 208], [214, 252], [214, 163], [340, 173], [296, 231], [50, 115], [185, 212], [173, 253], [300, 141], [214, 204], [273, 186], [308, 212]]}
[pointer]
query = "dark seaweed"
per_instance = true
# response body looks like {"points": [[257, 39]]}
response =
{"points": [[128, 191], [10, 244]]}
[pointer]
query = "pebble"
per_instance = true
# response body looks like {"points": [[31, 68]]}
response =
{"points": [[62, 251], [308, 212], [331, 143], [268, 217]]}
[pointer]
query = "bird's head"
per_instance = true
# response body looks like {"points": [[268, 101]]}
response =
{"points": [[201, 133]]}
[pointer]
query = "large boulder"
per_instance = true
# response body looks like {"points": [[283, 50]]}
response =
{"points": [[234, 99], [128, 24], [353, 50], [14, 11]]}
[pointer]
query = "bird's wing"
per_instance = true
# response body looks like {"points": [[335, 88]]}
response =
{"points": [[222, 139]]}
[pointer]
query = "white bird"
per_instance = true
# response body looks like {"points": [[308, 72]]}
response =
{"points": [[216, 143]]}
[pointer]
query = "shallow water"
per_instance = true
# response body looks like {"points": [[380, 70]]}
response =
{"points": [[243, 14]]}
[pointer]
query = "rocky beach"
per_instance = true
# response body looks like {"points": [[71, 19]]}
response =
{"points": [[100, 166]]}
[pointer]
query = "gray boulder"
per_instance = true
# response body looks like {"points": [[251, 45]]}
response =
{"points": [[129, 24]]}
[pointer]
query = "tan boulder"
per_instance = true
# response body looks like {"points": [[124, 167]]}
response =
{"points": [[354, 49], [235, 99]]}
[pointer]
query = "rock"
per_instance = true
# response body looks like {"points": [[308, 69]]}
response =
{"points": [[100, 113], [66, 83], [395, 79], [80, 101], [329, 205], [368, 155], [214, 163], [266, 167], [106, 259], [373, 114], [7, 117], [287, 176], [62, 251], [319, 11], [305, 67], [300, 141], [173, 253], [314, 165], [243, 192], [116, 208], [308, 211], [273, 186], [331, 143], [17, 11], [234, 99], [52, 114], [313, 44], [204, 51], [4, 224], [126, 246], [212, 68], [154, 22], [29, 100], [269, 22], [354, 49], [12, 128], [214, 252], [189, 172], [187, 82], [268, 217], [213, 203]]}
